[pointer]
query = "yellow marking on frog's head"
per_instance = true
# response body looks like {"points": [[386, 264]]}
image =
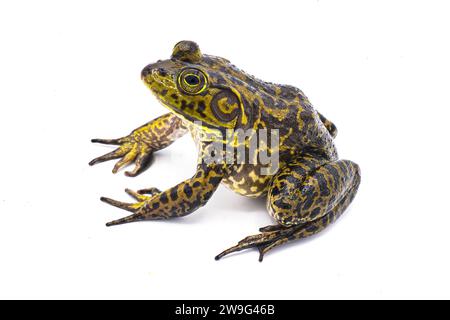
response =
{"points": [[194, 86]]}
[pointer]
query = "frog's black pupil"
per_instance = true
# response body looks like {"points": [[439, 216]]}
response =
{"points": [[192, 80]]}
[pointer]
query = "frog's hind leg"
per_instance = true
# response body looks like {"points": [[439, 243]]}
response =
{"points": [[304, 203]]}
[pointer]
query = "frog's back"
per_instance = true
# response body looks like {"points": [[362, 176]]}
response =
{"points": [[276, 106]]}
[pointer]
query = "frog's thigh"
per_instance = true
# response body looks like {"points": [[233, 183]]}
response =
{"points": [[297, 196]]}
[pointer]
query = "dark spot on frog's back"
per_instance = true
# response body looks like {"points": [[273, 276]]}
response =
{"points": [[268, 100], [288, 92], [163, 92], [306, 115], [208, 61], [218, 78], [269, 89], [280, 104], [174, 96]]}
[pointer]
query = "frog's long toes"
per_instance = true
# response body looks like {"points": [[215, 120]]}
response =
{"points": [[131, 218], [275, 227], [136, 195], [142, 162], [261, 254], [149, 191], [118, 153], [107, 141], [125, 161], [271, 237], [122, 205], [228, 251], [242, 245]]}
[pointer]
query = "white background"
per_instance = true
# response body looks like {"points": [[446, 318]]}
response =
{"points": [[70, 71]]}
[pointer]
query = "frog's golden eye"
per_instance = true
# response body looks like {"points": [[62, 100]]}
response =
{"points": [[192, 81]]}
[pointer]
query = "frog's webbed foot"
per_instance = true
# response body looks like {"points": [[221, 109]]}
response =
{"points": [[130, 150], [269, 238], [143, 197], [178, 201], [343, 178]]}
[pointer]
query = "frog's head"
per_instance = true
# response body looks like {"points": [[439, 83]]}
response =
{"points": [[198, 87]]}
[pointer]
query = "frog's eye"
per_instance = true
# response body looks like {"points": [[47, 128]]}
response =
{"points": [[192, 81]]}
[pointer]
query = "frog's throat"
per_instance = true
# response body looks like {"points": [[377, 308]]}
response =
{"points": [[194, 122]]}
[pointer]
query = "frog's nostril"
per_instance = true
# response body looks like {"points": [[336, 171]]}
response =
{"points": [[152, 69], [162, 72]]}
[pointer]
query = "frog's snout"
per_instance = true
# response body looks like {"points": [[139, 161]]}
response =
{"points": [[153, 69], [155, 74]]}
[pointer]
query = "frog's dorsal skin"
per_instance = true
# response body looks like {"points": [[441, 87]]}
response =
{"points": [[208, 96]]}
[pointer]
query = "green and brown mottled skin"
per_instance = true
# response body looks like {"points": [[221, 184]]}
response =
{"points": [[309, 191]]}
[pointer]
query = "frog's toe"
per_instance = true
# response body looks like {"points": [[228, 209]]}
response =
{"points": [[142, 162], [119, 204], [132, 207], [258, 240], [149, 191], [136, 195], [126, 160], [128, 152], [275, 227], [118, 153], [263, 249], [109, 141], [131, 218]]}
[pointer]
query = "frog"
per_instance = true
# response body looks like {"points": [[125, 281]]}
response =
{"points": [[208, 97]]}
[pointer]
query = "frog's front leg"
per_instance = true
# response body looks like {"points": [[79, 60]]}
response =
{"points": [[178, 201], [140, 144], [304, 199]]}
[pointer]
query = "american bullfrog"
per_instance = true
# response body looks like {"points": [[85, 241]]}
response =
{"points": [[306, 189]]}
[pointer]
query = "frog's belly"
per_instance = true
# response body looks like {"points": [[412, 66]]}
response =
{"points": [[246, 180]]}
